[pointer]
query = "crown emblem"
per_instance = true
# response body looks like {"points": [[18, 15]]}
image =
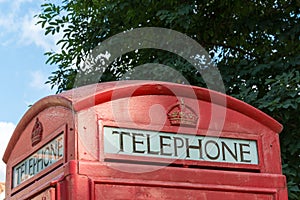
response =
{"points": [[37, 132], [181, 114]]}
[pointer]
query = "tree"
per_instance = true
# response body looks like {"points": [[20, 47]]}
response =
{"points": [[255, 45]]}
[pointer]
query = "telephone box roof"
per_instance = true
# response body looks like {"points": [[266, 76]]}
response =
{"points": [[88, 96]]}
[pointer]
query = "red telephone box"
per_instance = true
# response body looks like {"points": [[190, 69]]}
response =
{"points": [[144, 140]]}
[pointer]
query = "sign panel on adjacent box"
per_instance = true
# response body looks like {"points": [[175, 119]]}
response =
{"points": [[40, 160]]}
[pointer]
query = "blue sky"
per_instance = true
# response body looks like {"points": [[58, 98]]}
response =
{"points": [[23, 69]]}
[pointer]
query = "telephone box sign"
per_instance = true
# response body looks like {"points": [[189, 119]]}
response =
{"points": [[40, 160], [132, 142]]}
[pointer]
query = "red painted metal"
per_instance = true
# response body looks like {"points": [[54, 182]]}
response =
{"points": [[87, 171]]}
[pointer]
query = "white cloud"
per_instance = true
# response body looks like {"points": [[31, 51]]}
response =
{"points": [[6, 130], [38, 80], [18, 25], [17, 4], [34, 34], [7, 23], [37, 88], [10, 15]]}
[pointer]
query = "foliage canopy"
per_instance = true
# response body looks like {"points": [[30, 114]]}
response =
{"points": [[255, 45]]}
